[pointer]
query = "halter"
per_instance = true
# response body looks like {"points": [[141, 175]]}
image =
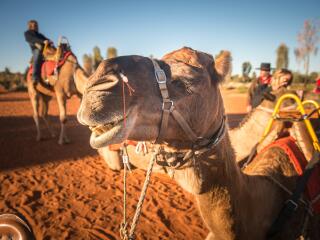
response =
{"points": [[200, 146], [168, 107]]}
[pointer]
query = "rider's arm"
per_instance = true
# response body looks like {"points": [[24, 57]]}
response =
{"points": [[33, 37]]}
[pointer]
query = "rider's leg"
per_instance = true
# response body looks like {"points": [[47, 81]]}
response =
{"points": [[37, 59]]}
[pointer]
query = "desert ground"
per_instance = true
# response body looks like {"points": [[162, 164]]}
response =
{"points": [[68, 192]]}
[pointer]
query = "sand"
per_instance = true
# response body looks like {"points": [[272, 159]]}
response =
{"points": [[68, 192]]}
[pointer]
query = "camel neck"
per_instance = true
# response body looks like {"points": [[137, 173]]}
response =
{"points": [[229, 192], [248, 134], [79, 80]]}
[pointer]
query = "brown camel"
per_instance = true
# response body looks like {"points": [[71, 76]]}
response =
{"points": [[251, 129], [71, 80], [233, 204]]}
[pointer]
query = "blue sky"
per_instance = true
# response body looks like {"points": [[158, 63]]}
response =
{"points": [[251, 30]]}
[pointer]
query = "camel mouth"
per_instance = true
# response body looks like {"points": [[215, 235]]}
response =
{"points": [[101, 129], [106, 134]]}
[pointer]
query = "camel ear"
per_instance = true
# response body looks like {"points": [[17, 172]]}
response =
{"points": [[222, 64]]}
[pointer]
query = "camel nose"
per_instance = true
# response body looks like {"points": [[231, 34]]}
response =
{"points": [[104, 83]]}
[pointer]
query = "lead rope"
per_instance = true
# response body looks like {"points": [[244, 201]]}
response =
{"points": [[125, 158], [126, 165], [124, 225], [142, 197]]}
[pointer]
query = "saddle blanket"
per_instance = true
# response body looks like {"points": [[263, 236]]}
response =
{"points": [[48, 67], [297, 158]]}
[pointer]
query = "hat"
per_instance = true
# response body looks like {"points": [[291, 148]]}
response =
{"points": [[265, 67]]}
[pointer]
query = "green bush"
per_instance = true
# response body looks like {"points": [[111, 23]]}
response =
{"points": [[300, 78], [11, 80]]}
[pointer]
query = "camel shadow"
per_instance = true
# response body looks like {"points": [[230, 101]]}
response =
{"points": [[13, 99], [20, 149]]}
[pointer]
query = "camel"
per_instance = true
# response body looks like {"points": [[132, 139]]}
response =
{"points": [[234, 204], [71, 80], [251, 129]]}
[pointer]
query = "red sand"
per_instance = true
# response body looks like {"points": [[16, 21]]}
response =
{"points": [[67, 192]]}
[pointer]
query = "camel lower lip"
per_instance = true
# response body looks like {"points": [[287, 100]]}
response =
{"points": [[101, 139]]}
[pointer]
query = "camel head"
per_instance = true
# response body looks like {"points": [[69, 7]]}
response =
{"points": [[122, 99]]}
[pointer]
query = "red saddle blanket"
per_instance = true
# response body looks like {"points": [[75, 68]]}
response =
{"points": [[297, 158], [48, 67]]}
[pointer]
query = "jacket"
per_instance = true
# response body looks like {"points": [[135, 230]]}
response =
{"points": [[35, 39]]}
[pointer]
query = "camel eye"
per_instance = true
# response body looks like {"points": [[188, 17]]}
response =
{"points": [[111, 72]]}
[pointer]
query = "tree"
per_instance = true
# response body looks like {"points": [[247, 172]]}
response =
{"points": [[307, 44], [87, 63], [246, 69], [97, 58], [111, 52], [7, 71], [282, 56]]}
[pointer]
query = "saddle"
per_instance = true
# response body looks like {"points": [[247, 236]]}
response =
{"points": [[54, 59], [298, 160]]}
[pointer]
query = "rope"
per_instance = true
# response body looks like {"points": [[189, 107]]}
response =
{"points": [[141, 147], [271, 110], [316, 199], [142, 196], [124, 225], [299, 119], [125, 158]]}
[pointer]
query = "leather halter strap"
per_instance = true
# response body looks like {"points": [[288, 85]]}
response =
{"points": [[168, 107]]}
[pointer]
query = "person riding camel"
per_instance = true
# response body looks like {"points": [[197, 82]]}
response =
{"points": [[36, 41], [261, 88]]}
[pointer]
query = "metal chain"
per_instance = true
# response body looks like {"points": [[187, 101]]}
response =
{"points": [[124, 225]]}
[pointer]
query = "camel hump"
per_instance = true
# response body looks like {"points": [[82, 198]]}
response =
{"points": [[191, 57]]}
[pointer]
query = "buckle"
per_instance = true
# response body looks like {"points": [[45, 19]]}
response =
{"points": [[293, 205], [160, 76], [170, 107]]}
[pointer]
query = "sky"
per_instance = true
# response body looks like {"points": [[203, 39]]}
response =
{"points": [[251, 30]]}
